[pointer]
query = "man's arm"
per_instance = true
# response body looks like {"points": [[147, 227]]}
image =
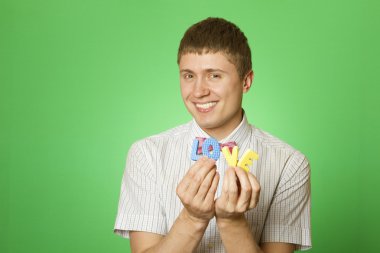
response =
{"points": [[196, 191], [141, 241], [241, 192], [237, 237], [278, 247], [184, 236]]}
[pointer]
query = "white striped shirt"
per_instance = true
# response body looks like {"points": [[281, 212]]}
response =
{"points": [[155, 165]]}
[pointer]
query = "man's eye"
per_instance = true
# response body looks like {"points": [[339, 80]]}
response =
{"points": [[214, 76], [188, 76]]}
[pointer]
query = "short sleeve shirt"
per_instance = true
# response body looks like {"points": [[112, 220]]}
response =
{"points": [[155, 165]]}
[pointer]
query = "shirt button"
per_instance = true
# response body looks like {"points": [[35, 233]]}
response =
{"points": [[210, 245]]}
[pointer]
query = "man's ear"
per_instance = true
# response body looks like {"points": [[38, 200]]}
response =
{"points": [[248, 80]]}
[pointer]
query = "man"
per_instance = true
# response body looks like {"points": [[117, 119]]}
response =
{"points": [[170, 203]]}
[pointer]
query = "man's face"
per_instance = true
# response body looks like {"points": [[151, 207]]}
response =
{"points": [[212, 92]]}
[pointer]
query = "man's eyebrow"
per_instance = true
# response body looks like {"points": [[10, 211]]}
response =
{"points": [[214, 70], [206, 70], [186, 70]]}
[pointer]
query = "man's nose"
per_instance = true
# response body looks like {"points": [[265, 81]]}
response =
{"points": [[201, 88]]}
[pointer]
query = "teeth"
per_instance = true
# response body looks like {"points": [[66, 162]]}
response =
{"points": [[206, 105]]}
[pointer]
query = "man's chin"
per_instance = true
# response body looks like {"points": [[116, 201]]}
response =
{"points": [[206, 125]]}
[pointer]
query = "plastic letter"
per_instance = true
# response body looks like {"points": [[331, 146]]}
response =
{"points": [[215, 153], [194, 150], [231, 158], [247, 159]]}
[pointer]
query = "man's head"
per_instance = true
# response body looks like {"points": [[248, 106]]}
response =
{"points": [[215, 70], [217, 35]]}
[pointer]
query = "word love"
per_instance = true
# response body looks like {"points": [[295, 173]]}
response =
{"points": [[211, 149]]}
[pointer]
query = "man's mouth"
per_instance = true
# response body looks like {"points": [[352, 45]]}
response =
{"points": [[205, 106]]}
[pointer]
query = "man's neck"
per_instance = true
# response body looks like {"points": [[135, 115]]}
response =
{"points": [[225, 131]]}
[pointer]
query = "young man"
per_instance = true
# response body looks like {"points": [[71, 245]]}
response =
{"points": [[170, 203]]}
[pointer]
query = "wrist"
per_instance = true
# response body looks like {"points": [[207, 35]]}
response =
{"points": [[196, 223], [236, 221]]}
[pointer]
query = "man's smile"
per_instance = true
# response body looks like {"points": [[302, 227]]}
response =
{"points": [[205, 107]]}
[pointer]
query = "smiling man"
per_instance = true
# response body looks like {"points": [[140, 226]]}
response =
{"points": [[170, 203], [212, 91]]}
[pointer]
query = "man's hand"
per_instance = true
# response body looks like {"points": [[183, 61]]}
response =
{"points": [[240, 192], [197, 190]]}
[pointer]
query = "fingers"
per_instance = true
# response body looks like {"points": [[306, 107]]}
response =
{"points": [[196, 175], [227, 201], [250, 190], [211, 193], [233, 191], [256, 188], [245, 190], [187, 179], [241, 192], [197, 189], [224, 197], [205, 186]]}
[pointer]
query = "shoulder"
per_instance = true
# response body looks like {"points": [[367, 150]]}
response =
{"points": [[270, 141], [149, 152], [275, 147]]}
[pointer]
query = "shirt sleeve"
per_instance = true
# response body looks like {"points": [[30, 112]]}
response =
{"points": [[288, 218], [139, 207]]}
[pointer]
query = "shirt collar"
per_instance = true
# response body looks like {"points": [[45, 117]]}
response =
{"points": [[240, 134]]}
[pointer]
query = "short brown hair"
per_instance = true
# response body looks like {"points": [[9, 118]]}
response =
{"points": [[214, 35]]}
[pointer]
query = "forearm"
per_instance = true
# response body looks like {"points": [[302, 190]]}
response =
{"points": [[184, 236], [236, 236]]}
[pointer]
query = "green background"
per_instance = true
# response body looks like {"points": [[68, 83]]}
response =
{"points": [[82, 80]]}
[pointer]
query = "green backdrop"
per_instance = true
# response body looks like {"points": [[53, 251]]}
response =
{"points": [[81, 80]]}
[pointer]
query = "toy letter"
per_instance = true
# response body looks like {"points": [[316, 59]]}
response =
{"points": [[215, 153], [247, 159], [231, 158], [194, 150]]}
